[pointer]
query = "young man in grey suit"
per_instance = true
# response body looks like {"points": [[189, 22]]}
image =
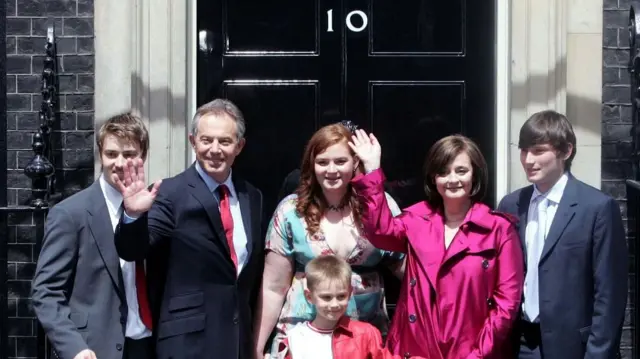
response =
{"points": [[575, 287], [91, 303]]}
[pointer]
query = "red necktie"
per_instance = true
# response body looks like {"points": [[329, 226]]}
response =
{"points": [[227, 220], [143, 300]]}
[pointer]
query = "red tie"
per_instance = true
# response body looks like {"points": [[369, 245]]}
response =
{"points": [[143, 300], [227, 220]]}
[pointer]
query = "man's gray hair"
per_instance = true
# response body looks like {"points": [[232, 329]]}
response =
{"points": [[219, 107]]}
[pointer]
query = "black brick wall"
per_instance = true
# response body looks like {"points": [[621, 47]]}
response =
{"points": [[616, 126], [3, 180], [26, 25]]}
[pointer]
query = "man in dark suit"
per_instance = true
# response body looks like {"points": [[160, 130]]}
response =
{"points": [[90, 302], [575, 287], [211, 221]]}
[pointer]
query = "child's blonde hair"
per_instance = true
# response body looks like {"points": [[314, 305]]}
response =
{"points": [[327, 268]]}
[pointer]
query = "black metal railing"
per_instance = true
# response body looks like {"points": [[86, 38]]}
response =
{"points": [[633, 184], [633, 213], [41, 170]]}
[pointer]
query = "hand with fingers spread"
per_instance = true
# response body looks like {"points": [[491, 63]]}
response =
{"points": [[85, 354], [137, 199], [367, 149]]}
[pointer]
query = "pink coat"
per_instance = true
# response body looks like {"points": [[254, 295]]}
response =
{"points": [[454, 303]]}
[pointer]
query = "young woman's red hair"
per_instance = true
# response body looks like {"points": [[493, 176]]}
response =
{"points": [[311, 201]]}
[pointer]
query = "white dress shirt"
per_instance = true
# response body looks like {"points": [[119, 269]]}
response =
{"points": [[239, 235], [553, 197], [134, 329]]}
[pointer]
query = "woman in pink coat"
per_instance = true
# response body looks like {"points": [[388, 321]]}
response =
{"points": [[463, 282]]}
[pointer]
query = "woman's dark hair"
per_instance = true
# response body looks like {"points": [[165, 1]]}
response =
{"points": [[440, 156]]}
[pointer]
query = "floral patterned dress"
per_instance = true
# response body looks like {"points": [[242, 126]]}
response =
{"points": [[287, 235]]}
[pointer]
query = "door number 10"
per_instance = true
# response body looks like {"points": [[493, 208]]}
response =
{"points": [[362, 15]]}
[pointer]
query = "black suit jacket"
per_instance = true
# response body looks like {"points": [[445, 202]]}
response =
{"points": [[78, 291], [582, 272], [205, 309]]}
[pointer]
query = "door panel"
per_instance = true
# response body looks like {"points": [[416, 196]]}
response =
{"points": [[417, 27], [422, 62], [412, 71], [285, 26], [265, 56], [399, 113], [275, 130]]}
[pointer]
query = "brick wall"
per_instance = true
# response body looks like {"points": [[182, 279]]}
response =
{"points": [[26, 25], [616, 126]]}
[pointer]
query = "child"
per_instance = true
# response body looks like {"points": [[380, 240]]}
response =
{"points": [[331, 334]]}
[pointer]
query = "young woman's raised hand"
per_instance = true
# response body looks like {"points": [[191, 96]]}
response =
{"points": [[367, 149]]}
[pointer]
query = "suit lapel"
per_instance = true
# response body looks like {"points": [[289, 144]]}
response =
{"points": [[524, 199], [433, 247], [564, 215], [102, 233], [245, 210], [459, 244], [201, 193], [471, 236]]}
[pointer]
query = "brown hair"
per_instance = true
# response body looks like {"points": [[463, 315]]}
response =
{"points": [[125, 126], [440, 156], [311, 202], [549, 127], [327, 268]]}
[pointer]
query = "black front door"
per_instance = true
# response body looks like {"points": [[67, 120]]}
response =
{"points": [[411, 71]]}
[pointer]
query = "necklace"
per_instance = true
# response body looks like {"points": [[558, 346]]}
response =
{"points": [[337, 208]]}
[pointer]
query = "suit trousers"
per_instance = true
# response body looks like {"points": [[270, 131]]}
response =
{"points": [[138, 348], [530, 340]]}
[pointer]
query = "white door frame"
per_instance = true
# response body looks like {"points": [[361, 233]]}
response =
{"points": [[502, 102]]}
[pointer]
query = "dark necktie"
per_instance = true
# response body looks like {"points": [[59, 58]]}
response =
{"points": [[227, 220]]}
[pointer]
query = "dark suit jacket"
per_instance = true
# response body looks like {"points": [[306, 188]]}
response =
{"points": [[205, 310], [78, 292], [582, 272]]}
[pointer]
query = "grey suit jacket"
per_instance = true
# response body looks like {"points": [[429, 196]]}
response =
{"points": [[582, 272], [78, 292]]}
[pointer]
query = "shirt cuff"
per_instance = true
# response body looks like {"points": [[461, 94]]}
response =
{"points": [[127, 219]]}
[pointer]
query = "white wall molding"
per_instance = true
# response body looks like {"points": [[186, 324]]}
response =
{"points": [[141, 64], [552, 67]]}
